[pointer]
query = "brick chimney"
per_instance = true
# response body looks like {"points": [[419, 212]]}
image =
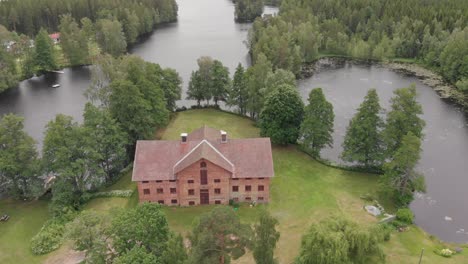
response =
{"points": [[183, 138], [223, 136]]}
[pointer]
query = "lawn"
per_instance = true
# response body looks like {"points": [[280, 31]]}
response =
{"points": [[303, 191]]}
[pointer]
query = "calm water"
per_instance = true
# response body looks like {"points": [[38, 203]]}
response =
{"points": [[207, 28], [444, 160]]}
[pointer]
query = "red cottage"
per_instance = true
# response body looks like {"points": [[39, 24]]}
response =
{"points": [[203, 167]]}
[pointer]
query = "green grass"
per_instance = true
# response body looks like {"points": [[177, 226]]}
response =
{"points": [[303, 191], [26, 219]]}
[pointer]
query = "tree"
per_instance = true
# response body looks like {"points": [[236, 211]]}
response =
{"points": [[196, 91], [339, 240], [400, 179], [363, 141], [110, 139], [8, 73], [144, 226], [205, 69], [110, 36], [317, 126], [20, 169], [278, 78], [404, 117], [265, 239], [218, 236], [73, 41], [175, 252], [220, 81], [248, 10], [137, 254], [281, 116], [88, 231], [256, 77], [70, 154], [131, 110], [44, 59], [171, 84], [238, 94]]}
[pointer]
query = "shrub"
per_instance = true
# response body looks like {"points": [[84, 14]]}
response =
{"points": [[114, 193], [405, 215], [386, 231], [398, 224], [48, 239], [444, 252]]}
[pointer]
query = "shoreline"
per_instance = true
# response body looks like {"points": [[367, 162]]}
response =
{"points": [[445, 90]]}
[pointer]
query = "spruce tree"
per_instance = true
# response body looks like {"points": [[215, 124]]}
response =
{"points": [[44, 55], [238, 94], [317, 127], [363, 141], [404, 117]]}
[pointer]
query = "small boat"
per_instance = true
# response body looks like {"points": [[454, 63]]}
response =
{"points": [[56, 85]]}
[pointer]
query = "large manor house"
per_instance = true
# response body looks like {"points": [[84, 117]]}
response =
{"points": [[203, 167]]}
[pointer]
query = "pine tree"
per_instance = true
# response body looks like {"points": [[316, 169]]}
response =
{"points": [[363, 141], [317, 126]]}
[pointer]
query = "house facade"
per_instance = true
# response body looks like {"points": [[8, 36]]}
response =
{"points": [[203, 167]]}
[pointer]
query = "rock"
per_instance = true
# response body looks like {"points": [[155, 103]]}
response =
{"points": [[448, 218]]}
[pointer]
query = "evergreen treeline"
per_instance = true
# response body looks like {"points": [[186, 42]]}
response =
{"points": [[434, 33], [248, 10], [29, 16]]}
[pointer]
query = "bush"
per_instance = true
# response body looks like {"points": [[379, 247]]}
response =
{"points": [[233, 203], [114, 193], [386, 230], [398, 224], [48, 239], [405, 215], [447, 253]]}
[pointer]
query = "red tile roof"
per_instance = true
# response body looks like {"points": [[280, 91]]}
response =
{"points": [[162, 160], [55, 35]]}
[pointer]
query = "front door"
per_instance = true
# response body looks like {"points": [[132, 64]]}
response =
{"points": [[204, 197]]}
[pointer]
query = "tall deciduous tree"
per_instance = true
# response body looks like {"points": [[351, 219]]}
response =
{"points": [[265, 239], [363, 142], [317, 126], [196, 90], [400, 179], [339, 240], [175, 252], [238, 94], [171, 84], [110, 139], [20, 169], [218, 236], [144, 226], [110, 36], [69, 153], [282, 115], [44, 59], [137, 254], [256, 77], [73, 41], [278, 78], [404, 117]]}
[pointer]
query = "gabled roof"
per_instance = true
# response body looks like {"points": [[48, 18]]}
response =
{"points": [[162, 160], [204, 150]]}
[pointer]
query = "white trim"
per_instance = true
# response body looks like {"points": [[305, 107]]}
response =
{"points": [[197, 146]]}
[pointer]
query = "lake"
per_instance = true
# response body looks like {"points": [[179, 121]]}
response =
{"points": [[207, 28]]}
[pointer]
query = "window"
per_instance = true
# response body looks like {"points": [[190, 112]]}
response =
{"points": [[248, 179], [191, 192], [217, 202], [261, 188], [174, 201], [159, 181], [191, 203], [235, 199], [160, 190], [235, 188], [190, 181], [217, 180], [145, 181], [248, 198], [173, 190], [161, 202], [217, 191], [203, 164], [236, 179], [203, 176], [146, 191], [261, 178], [260, 198], [172, 180], [248, 188]]}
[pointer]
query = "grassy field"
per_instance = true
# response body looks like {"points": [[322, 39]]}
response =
{"points": [[303, 191]]}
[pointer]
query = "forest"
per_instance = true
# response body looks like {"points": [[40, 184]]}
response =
{"points": [[431, 33]]}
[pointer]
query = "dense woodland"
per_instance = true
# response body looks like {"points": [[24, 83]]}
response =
{"points": [[248, 10], [432, 33], [29, 16]]}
